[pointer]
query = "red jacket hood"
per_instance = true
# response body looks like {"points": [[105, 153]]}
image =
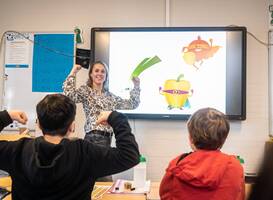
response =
{"points": [[197, 170]]}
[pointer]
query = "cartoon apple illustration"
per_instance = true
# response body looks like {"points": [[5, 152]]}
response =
{"points": [[197, 51]]}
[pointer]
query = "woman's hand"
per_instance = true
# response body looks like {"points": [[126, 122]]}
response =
{"points": [[18, 116], [75, 70], [136, 81], [103, 117]]}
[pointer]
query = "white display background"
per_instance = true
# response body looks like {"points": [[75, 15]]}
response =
{"points": [[208, 83]]}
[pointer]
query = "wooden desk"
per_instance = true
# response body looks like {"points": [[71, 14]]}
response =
{"points": [[153, 195], [6, 182], [12, 137], [108, 196]]}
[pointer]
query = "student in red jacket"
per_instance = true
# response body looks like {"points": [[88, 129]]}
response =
{"points": [[206, 173]]}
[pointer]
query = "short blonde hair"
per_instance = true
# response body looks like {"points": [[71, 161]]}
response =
{"points": [[208, 128]]}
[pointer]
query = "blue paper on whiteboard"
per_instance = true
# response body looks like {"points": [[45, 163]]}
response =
{"points": [[49, 67]]}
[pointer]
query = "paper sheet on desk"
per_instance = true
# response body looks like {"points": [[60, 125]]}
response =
{"points": [[120, 185], [99, 191]]}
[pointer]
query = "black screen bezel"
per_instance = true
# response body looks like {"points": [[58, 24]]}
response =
{"points": [[242, 113]]}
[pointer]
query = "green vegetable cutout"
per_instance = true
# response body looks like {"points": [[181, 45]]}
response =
{"points": [[145, 64]]}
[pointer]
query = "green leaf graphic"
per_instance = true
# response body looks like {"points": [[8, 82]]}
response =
{"points": [[145, 64]]}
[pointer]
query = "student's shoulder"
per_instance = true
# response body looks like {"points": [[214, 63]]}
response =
{"points": [[177, 159], [82, 147], [76, 142], [233, 158], [21, 143], [234, 163], [73, 141], [73, 144], [24, 139]]}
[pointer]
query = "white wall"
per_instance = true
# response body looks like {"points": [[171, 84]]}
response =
{"points": [[162, 140]]}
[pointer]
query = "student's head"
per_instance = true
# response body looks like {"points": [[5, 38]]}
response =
{"points": [[56, 114], [208, 129], [98, 74]]}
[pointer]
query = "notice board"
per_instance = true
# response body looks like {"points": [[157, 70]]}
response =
{"points": [[51, 57]]}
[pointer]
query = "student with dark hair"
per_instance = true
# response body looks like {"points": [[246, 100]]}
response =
{"points": [[262, 188], [52, 167], [205, 173]]}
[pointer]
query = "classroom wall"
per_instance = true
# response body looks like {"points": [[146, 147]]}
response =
{"points": [[162, 140]]}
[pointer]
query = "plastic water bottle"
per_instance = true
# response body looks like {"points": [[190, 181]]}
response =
{"points": [[140, 173]]}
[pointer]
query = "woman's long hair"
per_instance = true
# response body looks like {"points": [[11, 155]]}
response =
{"points": [[90, 80]]}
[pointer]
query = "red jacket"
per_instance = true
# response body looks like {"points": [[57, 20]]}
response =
{"points": [[203, 175]]}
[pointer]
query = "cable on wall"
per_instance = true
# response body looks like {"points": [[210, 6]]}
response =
{"points": [[167, 13], [253, 36], [85, 57], [41, 45]]}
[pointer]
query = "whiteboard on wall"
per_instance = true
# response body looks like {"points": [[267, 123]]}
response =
{"points": [[270, 77], [51, 59]]}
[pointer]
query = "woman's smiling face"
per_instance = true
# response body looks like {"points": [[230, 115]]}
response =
{"points": [[98, 74]]}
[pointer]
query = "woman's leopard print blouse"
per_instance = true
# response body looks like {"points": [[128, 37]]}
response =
{"points": [[93, 103]]}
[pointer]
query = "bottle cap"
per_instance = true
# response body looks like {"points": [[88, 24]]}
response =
{"points": [[142, 158], [241, 160]]}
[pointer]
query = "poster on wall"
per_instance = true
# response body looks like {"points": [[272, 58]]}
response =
{"points": [[18, 50]]}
